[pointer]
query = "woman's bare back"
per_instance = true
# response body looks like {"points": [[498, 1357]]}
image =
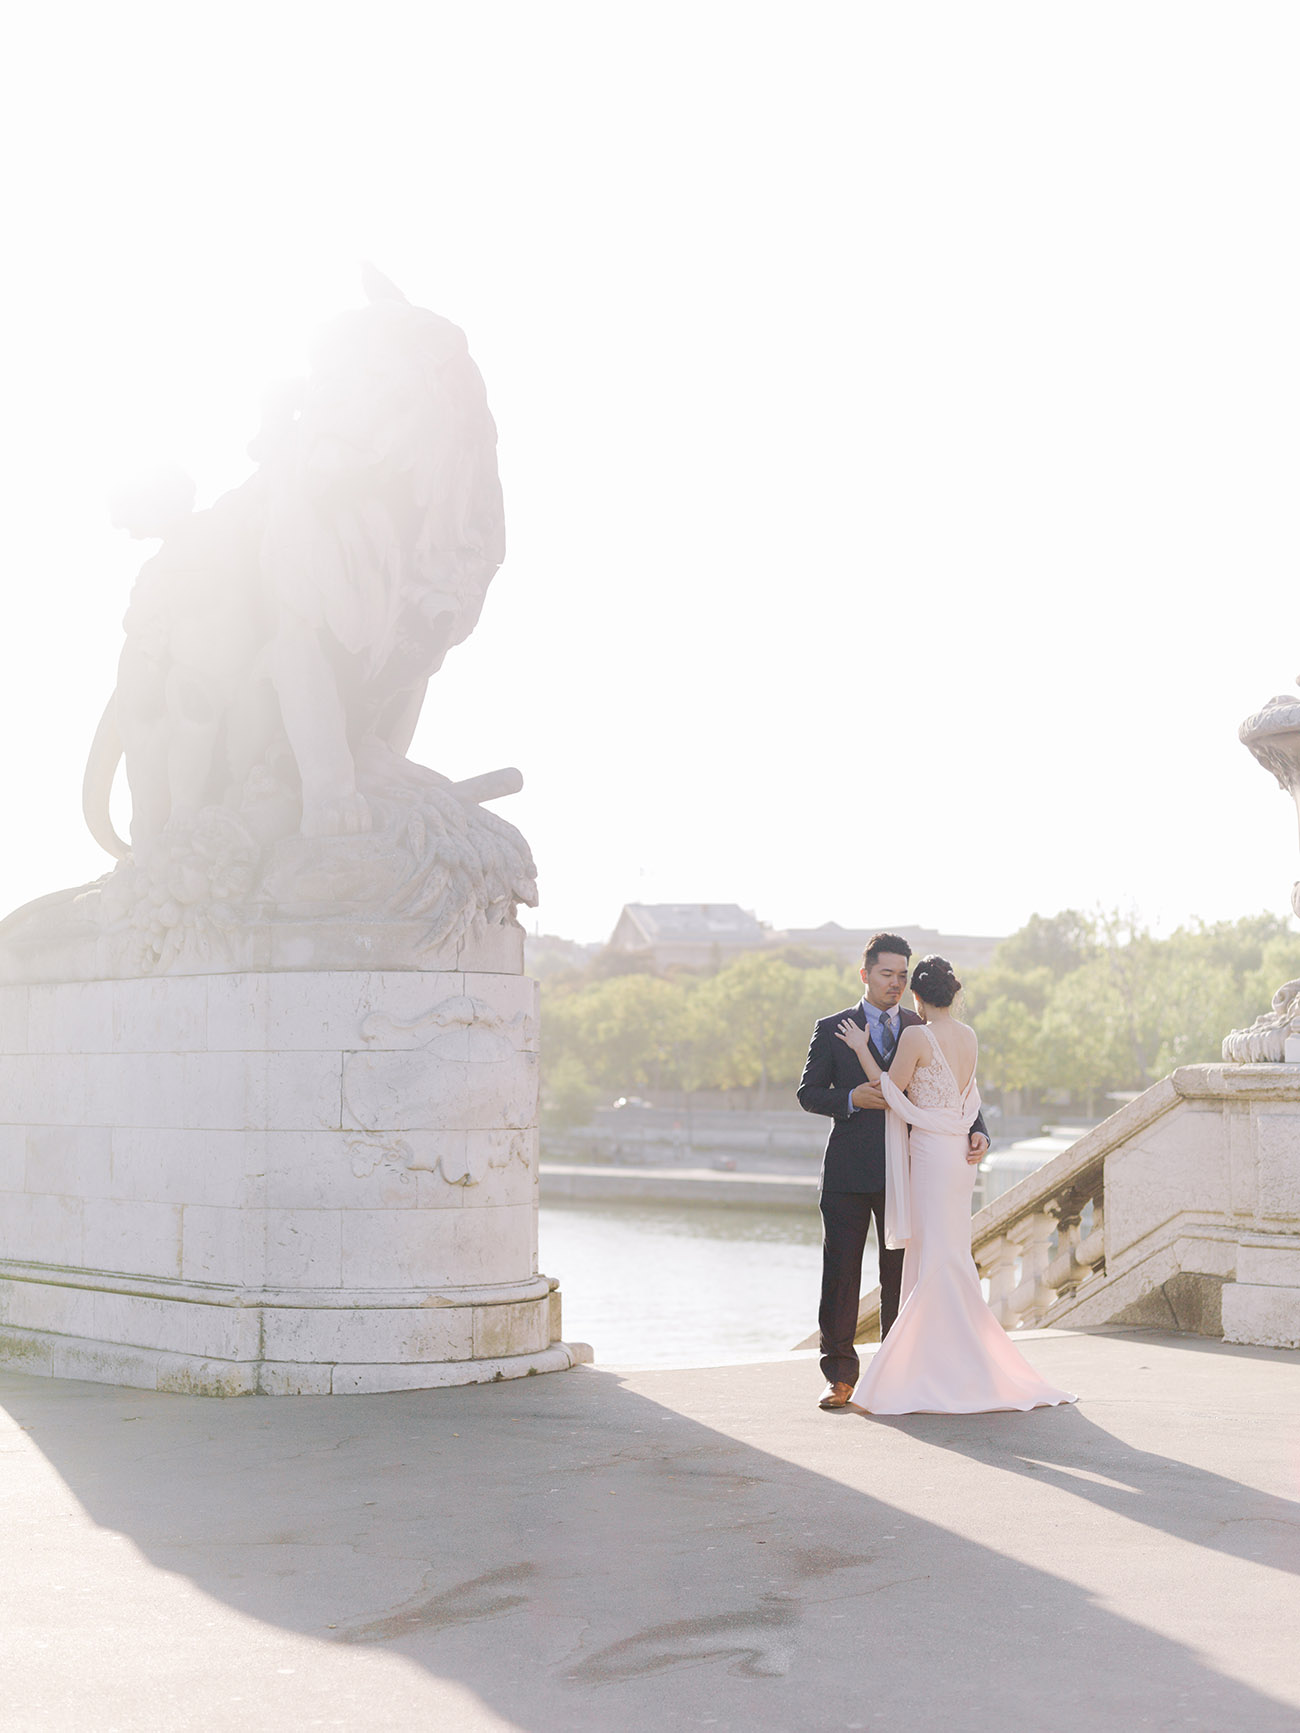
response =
{"points": [[959, 1045]]}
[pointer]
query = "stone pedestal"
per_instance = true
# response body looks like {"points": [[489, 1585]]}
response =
{"points": [[1202, 1207], [315, 1183], [1262, 1133]]}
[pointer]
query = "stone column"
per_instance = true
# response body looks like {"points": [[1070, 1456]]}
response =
{"points": [[286, 1183], [268, 1089]]}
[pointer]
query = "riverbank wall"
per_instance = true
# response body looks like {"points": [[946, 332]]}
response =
{"points": [[572, 1182]]}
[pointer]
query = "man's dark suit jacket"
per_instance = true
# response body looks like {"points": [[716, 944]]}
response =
{"points": [[855, 1149]]}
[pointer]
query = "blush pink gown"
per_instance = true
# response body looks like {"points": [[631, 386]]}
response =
{"points": [[947, 1353]]}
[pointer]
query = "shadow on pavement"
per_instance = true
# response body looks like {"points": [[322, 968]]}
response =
{"points": [[586, 1558], [1079, 1457]]}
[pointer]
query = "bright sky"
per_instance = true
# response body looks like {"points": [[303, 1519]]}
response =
{"points": [[897, 409]]}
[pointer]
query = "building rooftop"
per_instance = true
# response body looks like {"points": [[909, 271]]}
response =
{"points": [[645, 926], [921, 939], [700, 923]]}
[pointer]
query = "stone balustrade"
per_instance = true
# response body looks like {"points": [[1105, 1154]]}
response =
{"points": [[1037, 1246], [1046, 1252], [1182, 1210]]}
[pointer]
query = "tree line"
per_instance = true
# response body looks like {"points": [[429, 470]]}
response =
{"points": [[1074, 1007]]}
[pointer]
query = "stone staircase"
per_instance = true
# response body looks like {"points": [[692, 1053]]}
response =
{"points": [[1181, 1211]]}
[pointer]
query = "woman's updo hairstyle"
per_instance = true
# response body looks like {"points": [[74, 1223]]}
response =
{"points": [[933, 980]]}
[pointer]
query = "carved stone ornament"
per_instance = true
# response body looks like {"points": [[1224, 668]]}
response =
{"points": [[1266, 1040], [1273, 736], [278, 647]]}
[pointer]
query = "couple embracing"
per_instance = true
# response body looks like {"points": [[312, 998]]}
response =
{"points": [[902, 1152]]}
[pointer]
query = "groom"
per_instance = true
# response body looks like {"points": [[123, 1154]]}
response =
{"points": [[853, 1171]]}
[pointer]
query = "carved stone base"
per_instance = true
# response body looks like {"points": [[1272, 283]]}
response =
{"points": [[57, 1354], [1201, 1180], [434, 885], [286, 1183], [1274, 1037], [1263, 1305]]}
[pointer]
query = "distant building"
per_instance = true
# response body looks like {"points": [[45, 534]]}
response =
{"points": [[846, 944], [706, 935], [691, 935]]}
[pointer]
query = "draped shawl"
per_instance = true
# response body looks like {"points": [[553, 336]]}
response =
{"points": [[944, 1121]]}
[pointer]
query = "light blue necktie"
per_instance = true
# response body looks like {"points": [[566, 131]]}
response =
{"points": [[886, 1041]]}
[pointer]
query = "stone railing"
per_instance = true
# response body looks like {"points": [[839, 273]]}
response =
{"points": [[1044, 1252], [1041, 1245], [1037, 1246], [1179, 1212]]}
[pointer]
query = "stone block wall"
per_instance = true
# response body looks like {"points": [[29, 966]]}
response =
{"points": [[294, 1181]]}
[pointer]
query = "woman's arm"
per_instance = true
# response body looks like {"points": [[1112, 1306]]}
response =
{"points": [[912, 1048], [855, 1037]]}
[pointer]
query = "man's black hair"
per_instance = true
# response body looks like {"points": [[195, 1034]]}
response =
{"points": [[881, 942]]}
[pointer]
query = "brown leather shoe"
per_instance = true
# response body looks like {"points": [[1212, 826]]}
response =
{"points": [[836, 1396]]}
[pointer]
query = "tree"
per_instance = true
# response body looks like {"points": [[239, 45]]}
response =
{"points": [[1144, 1005], [1083, 1045], [568, 1095], [1084, 1004], [1028, 987], [1006, 1006], [1057, 943], [1009, 1045], [750, 1021], [625, 1033]]}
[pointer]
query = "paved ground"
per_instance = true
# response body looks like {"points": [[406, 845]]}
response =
{"points": [[642, 1552]]}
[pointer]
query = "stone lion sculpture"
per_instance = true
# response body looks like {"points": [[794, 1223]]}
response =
{"points": [[277, 651]]}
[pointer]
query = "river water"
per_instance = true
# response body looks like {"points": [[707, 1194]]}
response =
{"points": [[684, 1285]]}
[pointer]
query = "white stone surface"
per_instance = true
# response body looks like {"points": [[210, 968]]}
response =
{"points": [[1268, 1264], [1139, 1194], [286, 1183], [1266, 1317], [1201, 1182]]}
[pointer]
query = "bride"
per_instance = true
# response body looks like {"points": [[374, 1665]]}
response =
{"points": [[947, 1353]]}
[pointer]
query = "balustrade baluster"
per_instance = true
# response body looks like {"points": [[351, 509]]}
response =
{"points": [[1091, 1252], [1034, 1235], [998, 1261], [1044, 1255], [1065, 1272]]}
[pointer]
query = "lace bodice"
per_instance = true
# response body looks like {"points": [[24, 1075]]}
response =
{"points": [[934, 1085]]}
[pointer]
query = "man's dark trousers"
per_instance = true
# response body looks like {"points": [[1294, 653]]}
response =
{"points": [[846, 1221], [853, 1190]]}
